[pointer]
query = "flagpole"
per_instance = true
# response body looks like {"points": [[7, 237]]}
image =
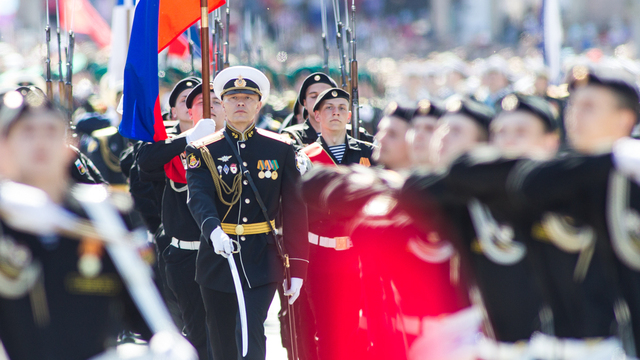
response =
{"points": [[204, 36]]}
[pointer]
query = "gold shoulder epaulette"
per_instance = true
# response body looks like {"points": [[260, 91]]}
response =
{"points": [[275, 136], [209, 139]]}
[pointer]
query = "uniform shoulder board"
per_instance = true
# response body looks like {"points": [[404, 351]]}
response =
{"points": [[275, 136], [209, 139]]}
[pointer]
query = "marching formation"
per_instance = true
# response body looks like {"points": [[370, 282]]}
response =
{"points": [[458, 227]]}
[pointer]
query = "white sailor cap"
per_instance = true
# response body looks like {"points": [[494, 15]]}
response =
{"points": [[241, 80]]}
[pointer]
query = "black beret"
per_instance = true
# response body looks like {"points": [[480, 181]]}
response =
{"points": [[315, 78], [429, 108], [532, 104], [479, 112], [15, 104], [614, 78], [241, 86], [182, 85], [195, 92], [395, 110], [332, 93]]}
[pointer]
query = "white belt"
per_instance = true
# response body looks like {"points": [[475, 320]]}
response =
{"points": [[338, 243], [185, 245]]}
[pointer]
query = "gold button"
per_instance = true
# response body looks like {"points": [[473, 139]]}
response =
{"points": [[242, 145], [243, 238], [239, 229], [247, 201], [245, 182], [244, 164], [244, 219]]}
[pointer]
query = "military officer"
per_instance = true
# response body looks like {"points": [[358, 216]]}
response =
{"points": [[236, 221], [179, 225]]}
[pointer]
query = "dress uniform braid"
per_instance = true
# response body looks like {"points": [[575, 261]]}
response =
{"points": [[220, 185]]}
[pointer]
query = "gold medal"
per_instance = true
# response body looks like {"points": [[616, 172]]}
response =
{"points": [[261, 174], [261, 168], [274, 175], [239, 229], [267, 173], [89, 265]]}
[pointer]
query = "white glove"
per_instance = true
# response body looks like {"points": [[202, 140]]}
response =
{"points": [[294, 290], [203, 128], [169, 345], [31, 210], [626, 157], [221, 242]]}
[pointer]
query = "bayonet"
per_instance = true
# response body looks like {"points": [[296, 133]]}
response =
{"points": [[340, 43], [47, 36], [325, 45], [69, 83], [60, 52]]}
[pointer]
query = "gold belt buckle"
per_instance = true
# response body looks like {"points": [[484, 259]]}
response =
{"points": [[239, 229], [342, 243]]}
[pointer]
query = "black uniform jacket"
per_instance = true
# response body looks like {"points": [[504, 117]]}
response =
{"points": [[65, 315], [505, 278], [304, 134], [261, 151], [176, 217]]}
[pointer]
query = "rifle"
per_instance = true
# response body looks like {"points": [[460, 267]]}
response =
{"points": [[347, 32], [47, 36], [69, 83], [226, 40], [191, 50], [341, 54], [355, 100], [217, 41], [325, 45], [60, 52]]}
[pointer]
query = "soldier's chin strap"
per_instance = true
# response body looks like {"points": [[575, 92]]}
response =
{"points": [[279, 245]]}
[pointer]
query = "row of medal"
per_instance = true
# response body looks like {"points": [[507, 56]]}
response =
{"points": [[268, 169]]}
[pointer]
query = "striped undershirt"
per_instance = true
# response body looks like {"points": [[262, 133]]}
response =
{"points": [[338, 151]]}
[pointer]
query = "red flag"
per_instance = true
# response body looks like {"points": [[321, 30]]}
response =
{"points": [[175, 17], [83, 18]]}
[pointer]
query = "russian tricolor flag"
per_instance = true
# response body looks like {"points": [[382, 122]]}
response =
{"points": [[156, 24]]}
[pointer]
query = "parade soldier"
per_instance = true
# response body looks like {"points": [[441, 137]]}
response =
{"points": [[179, 225], [334, 283], [65, 293], [308, 132], [393, 152], [423, 126], [236, 178], [493, 246], [589, 211]]}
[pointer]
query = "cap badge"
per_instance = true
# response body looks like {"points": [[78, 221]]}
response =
{"points": [[316, 78], [189, 83], [509, 103], [334, 93], [454, 105], [240, 82], [424, 106]]}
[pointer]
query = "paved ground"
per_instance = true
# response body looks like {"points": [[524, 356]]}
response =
{"points": [[275, 351]]}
